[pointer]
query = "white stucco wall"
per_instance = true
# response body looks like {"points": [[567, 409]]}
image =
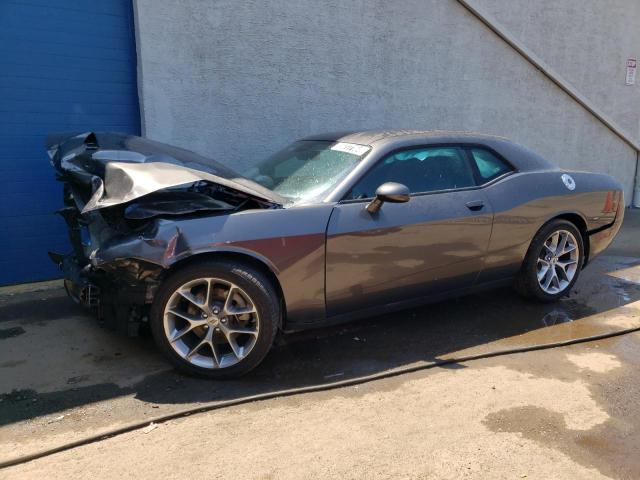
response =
{"points": [[238, 79]]}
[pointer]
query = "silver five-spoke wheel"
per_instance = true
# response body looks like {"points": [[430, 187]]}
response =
{"points": [[558, 262], [211, 323]]}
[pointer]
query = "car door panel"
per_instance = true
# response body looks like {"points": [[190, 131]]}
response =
{"points": [[430, 245]]}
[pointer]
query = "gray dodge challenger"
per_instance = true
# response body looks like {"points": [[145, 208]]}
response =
{"points": [[332, 228]]}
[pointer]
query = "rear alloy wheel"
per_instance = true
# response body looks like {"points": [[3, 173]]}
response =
{"points": [[558, 262], [553, 263], [215, 319]]}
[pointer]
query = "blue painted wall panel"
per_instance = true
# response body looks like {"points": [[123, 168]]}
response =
{"points": [[67, 65]]}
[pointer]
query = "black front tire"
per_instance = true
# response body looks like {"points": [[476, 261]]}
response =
{"points": [[526, 283], [253, 281]]}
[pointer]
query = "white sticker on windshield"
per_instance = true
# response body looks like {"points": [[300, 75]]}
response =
{"points": [[353, 148]]}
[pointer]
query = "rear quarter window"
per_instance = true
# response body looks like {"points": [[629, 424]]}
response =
{"points": [[489, 165]]}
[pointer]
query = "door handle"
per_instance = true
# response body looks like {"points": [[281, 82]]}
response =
{"points": [[475, 205]]}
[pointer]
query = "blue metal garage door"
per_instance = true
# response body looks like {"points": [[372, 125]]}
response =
{"points": [[67, 65]]}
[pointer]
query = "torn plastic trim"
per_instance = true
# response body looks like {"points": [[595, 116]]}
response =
{"points": [[151, 245]]}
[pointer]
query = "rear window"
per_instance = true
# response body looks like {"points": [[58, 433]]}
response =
{"points": [[489, 165]]}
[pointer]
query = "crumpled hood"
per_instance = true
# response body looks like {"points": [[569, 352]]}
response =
{"points": [[120, 168], [124, 182]]}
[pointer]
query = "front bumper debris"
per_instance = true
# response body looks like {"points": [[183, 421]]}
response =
{"points": [[118, 304]]}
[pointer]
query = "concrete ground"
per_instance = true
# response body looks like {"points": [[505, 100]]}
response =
{"points": [[572, 412]]}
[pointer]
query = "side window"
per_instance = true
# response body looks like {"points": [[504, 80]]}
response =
{"points": [[489, 166], [420, 169]]}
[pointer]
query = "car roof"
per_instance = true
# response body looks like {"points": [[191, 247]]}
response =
{"points": [[372, 137], [521, 157]]}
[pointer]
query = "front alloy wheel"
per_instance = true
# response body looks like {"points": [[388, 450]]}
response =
{"points": [[211, 323], [215, 319]]}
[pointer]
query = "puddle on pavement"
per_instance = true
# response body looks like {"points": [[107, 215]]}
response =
{"points": [[609, 446]]}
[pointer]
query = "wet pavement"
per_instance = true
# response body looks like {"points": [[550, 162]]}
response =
{"points": [[62, 377]]}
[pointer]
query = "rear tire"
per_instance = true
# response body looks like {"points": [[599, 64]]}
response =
{"points": [[550, 270], [215, 319]]}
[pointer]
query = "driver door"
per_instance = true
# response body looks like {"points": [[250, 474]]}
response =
{"points": [[432, 244]]}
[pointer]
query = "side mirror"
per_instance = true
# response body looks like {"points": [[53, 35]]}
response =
{"points": [[391, 192]]}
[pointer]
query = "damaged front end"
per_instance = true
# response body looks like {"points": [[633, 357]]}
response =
{"points": [[119, 191]]}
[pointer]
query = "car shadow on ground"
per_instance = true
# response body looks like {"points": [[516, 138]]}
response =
{"points": [[343, 352]]}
